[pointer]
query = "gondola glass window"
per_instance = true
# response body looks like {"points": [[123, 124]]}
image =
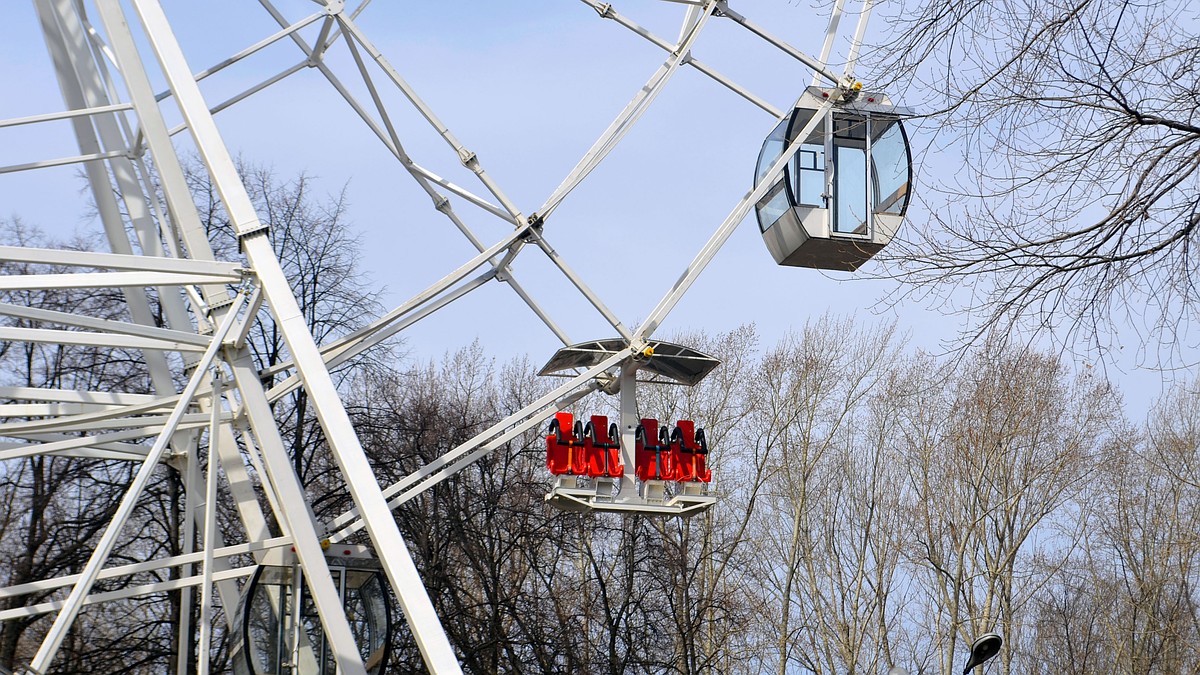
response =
{"points": [[835, 214], [267, 642], [889, 155]]}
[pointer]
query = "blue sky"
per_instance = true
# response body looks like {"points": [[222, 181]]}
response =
{"points": [[528, 87]]}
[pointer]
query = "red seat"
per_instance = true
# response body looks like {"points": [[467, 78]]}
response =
{"points": [[579, 459], [615, 468], [595, 446], [683, 447], [644, 464], [559, 443], [602, 448], [651, 457], [703, 473]]}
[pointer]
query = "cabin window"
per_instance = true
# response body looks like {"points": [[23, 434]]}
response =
{"points": [[849, 189], [809, 170], [889, 157]]}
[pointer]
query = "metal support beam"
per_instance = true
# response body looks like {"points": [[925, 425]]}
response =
{"points": [[722, 233], [633, 110], [392, 142], [204, 643], [20, 282], [125, 593], [73, 603], [339, 432], [254, 547], [227, 271], [104, 325], [63, 161], [93, 339], [66, 115], [818, 66], [483, 443]]}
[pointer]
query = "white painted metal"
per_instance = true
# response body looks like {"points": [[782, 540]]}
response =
{"points": [[835, 18], [85, 420], [606, 11], [106, 280], [200, 124], [105, 325], [818, 66], [87, 397], [468, 158], [99, 451], [860, 32], [255, 456], [424, 178], [71, 606], [718, 238], [64, 28], [148, 566], [733, 86], [183, 219], [485, 442], [63, 446], [339, 432], [628, 421], [76, 337], [292, 508], [169, 253], [637, 107], [65, 43], [62, 161], [204, 643], [112, 133], [125, 593], [226, 272], [189, 476], [44, 409], [248, 92], [50, 117], [252, 49], [98, 421]]}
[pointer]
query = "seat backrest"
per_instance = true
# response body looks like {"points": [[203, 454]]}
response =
{"points": [[558, 443], [683, 443], [600, 429], [566, 425]]}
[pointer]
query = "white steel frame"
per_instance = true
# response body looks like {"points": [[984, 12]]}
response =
{"points": [[210, 305]]}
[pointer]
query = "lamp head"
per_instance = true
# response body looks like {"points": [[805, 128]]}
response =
{"points": [[983, 649]]}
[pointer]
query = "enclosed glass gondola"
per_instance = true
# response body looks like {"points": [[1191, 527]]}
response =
{"points": [[842, 196], [276, 635]]}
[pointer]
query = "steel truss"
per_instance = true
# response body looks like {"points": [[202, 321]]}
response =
{"points": [[105, 56]]}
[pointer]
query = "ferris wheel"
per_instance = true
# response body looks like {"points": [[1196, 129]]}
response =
{"points": [[829, 191]]}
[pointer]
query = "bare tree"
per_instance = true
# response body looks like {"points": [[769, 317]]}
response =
{"points": [[1074, 150], [319, 252], [828, 533], [486, 548], [1128, 601], [701, 572], [997, 454]]}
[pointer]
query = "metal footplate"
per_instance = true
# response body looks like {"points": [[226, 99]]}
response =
{"points": [[575, 493]]}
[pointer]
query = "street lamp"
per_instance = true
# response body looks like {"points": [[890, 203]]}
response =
{"points": [[983, 649]]}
